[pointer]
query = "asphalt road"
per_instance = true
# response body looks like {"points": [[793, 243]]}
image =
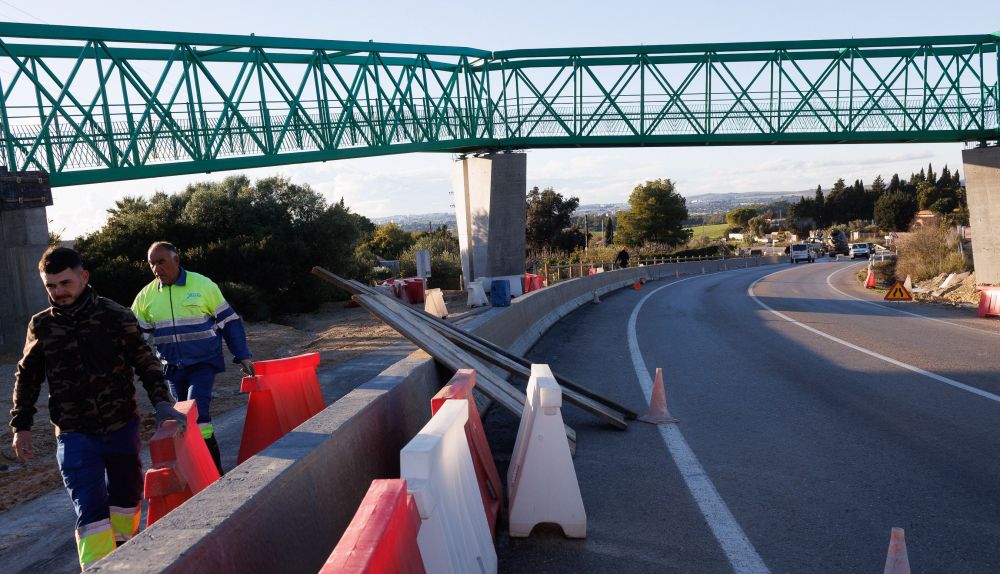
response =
{"points": [[814, 418]]}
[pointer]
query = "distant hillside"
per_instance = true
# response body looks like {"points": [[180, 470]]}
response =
{"points": [[701, 204]]}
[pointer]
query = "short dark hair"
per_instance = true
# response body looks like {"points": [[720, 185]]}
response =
{"points": [[164, 244], [58, 259]]}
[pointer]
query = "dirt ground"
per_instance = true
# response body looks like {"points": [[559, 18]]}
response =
{"points": [[339, 333]]}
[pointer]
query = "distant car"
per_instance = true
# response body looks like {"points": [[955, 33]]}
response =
{"points": [[756, 253], [862, 250], [801, 252]]}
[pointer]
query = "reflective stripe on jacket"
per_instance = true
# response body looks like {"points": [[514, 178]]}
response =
{"points": [[188, 320]]}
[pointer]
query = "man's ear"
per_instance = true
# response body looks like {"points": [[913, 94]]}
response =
{"points": [[85, 275]]}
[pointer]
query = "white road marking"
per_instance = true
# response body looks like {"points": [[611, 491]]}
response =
{"points": [[890, 360], [740, 552], [888, 308]]}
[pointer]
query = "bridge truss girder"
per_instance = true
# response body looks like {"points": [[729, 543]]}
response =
{"points": [[91, 105]]}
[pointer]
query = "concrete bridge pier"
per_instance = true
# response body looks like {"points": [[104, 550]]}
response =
{"points": [[490, 193], [24, 235], [982, 186]]}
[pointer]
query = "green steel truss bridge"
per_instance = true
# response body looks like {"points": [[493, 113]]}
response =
{"points": [[93, 105]]}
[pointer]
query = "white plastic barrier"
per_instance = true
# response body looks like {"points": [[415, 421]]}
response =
{"points": [[541, 480], [437, 465], [477, 296], [434, 303]]}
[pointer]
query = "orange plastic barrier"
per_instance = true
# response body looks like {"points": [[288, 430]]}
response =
{"points": [[382, 536], [460, 387], [182, 465], [283, 394], [989, 301], [532, 282], [413, 289]]}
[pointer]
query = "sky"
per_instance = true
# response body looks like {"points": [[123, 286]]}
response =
{"points": [[420, 183]]}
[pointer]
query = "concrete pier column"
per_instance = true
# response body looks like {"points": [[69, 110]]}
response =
{"points": [[24, 235], [982, 186], [490, 211]]}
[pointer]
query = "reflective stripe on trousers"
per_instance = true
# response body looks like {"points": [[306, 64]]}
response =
{"points": [[94, 541], [125, 522]]}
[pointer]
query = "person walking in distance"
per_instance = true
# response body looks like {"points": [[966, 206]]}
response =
{"points": [[622, 259], [89, 349], [187, 318]]}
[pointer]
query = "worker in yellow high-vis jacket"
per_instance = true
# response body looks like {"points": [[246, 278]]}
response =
{"points": [[187, 318]]}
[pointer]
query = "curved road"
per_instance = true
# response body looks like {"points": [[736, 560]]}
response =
{"points": [[814, 418]]}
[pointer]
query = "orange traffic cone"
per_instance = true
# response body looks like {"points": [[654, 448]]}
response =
{"points": [[870, 280], [637, 285], [896, 561], [658, 413]]}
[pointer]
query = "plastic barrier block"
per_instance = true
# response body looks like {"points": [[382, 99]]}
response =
{"points": [[989, 301], [181, 465], [413, 289], [490, 488], [477, 296], [541, 481], [283, 394], [434, 303], [500, 293], [437, 466], [382, 536]]}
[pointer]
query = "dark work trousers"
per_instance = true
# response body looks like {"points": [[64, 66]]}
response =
{"points": [[194, 383], [101, 471]]}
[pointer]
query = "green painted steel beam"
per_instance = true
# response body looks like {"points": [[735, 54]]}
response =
{"points": [[95, 104]]}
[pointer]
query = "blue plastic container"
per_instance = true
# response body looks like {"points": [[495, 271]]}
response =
{"points": [[500, 293]]}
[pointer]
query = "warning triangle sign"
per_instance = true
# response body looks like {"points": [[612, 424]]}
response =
{"points": [[898, 293]]}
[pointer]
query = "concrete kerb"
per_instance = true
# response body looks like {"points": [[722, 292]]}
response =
{"points": [[286, 508]]}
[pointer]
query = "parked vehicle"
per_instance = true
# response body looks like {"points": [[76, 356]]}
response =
{"points": [[837, 242], [862, 250], [801, 252]]}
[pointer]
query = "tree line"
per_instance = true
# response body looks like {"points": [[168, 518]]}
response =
{"points": [[891, 206]]}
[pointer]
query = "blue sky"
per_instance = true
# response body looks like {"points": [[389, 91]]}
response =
{"points": [[420, 183]]}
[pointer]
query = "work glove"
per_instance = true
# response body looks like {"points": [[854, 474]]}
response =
{"points": [[23, 448], [166, 412], [247, 366]]}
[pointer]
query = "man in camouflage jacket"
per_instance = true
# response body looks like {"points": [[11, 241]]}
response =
{"points": [[89, 349]]}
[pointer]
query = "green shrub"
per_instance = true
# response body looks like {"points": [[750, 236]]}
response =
{"points": [[928, 251], [248, 301]]}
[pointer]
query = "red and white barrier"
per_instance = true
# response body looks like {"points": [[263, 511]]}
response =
{"points": [[382, 536], [541, 480], [490, 489], [437, 466]]}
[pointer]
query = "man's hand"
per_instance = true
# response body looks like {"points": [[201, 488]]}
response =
{"points": [[22, 446], [247, 366], [166, 412]]}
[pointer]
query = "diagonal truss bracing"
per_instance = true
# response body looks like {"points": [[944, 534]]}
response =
{"points": [[93, 104]]}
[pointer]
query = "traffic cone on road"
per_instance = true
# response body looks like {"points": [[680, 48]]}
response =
{"points": [[637, 285], [896, 561], [870, 280], [658, 413]]}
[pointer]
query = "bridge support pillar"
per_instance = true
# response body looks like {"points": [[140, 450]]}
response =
{"points": [[490, 212], [982, 185], [24, 235]]}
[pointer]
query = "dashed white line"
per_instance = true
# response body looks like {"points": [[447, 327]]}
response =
{"points": [[739, 551], [870, 353]]}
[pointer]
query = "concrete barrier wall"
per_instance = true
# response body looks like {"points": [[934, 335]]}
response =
{"points": [[285, 509]]}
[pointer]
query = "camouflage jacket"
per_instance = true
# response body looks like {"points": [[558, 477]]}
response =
{"points": [[88, 353]]}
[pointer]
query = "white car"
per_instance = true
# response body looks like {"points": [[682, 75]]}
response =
{"points": [[801, 252], [861, 250]]}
